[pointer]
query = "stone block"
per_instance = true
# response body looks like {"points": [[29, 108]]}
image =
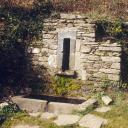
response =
{"points": [[35, 50], [107, 100], [90, 35], [115, 49], [85, 49], [116, 66], [67, 16], [67, 120], [111, 59], [61, 108], [30, 105], [110, 71], [89, 57], [52, 60]]}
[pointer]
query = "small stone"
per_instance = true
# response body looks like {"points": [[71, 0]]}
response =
{"points": [[48, 116], [35, 114], [67, 16], [36, 51], [86, 104], [2, 105], [52, 60], [92, 121], [66, 120], [107, 100], [103, 109]]}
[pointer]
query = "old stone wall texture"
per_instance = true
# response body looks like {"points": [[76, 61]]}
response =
{"points": [[94, 60]]}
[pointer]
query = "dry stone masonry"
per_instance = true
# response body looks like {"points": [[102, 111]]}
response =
{"points": [[69, 46]]}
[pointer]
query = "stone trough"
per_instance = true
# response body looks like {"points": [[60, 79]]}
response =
{"points": [[58, 105]]}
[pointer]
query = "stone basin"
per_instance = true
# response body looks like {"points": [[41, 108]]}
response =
{"points": [[43, 103]]}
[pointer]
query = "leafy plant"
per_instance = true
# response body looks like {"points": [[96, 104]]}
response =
{"points": [[64, 86], [123, 86], [10, 109]]}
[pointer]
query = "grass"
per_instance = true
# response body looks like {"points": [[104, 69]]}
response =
{"points": [[23, 118], [117, 117]]}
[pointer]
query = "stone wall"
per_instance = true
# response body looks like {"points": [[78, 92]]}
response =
{"points": [[93, 60]]}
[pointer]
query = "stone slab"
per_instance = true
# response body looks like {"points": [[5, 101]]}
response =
{"points": [[90, 102], [92, 121], [30, 105], [67, 120], [103, 109]]}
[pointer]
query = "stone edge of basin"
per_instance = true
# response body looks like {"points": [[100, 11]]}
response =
{"points": [[36, 105]]}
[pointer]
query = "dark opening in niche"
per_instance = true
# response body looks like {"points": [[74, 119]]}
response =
{"points": [[66, 54]]}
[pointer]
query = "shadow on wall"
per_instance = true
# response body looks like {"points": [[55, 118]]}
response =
{"points": [[124, 63], [21, 26], [103, 32]]}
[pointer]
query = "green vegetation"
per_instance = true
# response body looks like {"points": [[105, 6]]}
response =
{"points": [[23, 118], [65, 86], [117, 117]]}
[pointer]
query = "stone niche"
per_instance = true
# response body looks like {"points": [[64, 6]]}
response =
{"points": [[69, 46], [66, 50]]}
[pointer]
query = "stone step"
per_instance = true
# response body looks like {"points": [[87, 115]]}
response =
{"points": [[92, 121], [67, 120]]}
